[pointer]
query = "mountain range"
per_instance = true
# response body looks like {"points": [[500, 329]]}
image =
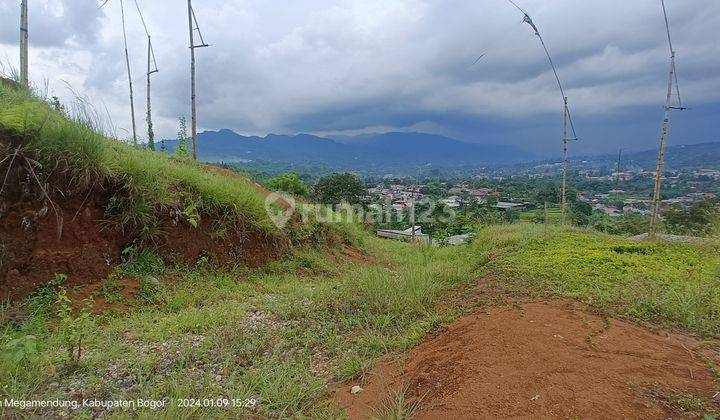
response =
{"points": [[351, 152], [690, 156]]}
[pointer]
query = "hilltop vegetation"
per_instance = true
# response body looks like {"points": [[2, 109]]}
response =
{"points": [[284, 335], [74, 155]]}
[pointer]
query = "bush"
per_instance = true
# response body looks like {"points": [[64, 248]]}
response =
{"points": [[289, 183], [697, 220], [338, 188], [183, 148]]}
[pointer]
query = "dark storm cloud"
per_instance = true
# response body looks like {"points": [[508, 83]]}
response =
{"points": [[354, 65]]}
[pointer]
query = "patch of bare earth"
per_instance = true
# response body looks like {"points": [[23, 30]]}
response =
{"points": [[551, 359]]}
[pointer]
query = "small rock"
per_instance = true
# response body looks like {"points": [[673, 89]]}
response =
{"points": [[152, 281], [356, 389], [535, 398]]}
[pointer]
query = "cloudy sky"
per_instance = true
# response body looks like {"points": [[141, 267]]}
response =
{"points": [[356, 66]]}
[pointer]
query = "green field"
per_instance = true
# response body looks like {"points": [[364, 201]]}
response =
{"points": [[554, 215]]}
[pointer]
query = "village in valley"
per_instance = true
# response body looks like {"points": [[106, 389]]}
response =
{"points": [[530, 193]]}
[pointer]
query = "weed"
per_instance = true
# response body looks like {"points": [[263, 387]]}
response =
{"points": [[110, 290], [73, 329], [397, 406], [149, 290], [18, 349], [41, 300]]}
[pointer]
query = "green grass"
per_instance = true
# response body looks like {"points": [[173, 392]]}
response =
{"points": [[74, 154], [287, 333], [554, 215], [282, 334], [670, 283]]}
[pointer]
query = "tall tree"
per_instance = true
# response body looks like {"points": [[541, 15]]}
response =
{"points": [[339, 187]]}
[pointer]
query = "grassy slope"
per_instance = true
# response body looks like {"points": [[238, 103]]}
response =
{"points": [[286, 333], [152, 181], [669, 283], [281, 334]]}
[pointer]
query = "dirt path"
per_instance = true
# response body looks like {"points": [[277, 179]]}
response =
{"points": [[546, 360]]}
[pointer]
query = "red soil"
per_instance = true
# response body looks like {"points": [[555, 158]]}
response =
{"points": [[546, 360], [35, 244], [187, 244], [349, 252], [128, 287]]}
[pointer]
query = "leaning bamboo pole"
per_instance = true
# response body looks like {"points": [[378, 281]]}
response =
{"points": [[672, 77], [567, 118], [661, 153]]}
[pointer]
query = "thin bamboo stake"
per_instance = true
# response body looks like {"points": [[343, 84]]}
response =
{"points": [[151, 134], [193, 123], [24, 79], [565, 161], [150, 71], [193, 112], [127, 63]]}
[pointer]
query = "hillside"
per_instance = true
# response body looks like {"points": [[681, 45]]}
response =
{"points": [[290, 339], [358, 152], [78, 203], [690, 156]]}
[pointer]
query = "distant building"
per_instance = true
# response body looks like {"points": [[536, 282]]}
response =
{"points": [[453, 201], [405, 235], [624, 176], [504, 206], [711, 173], [609, 210]]}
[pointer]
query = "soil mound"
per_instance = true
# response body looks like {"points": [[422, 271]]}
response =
{"points": [[547, 360]]}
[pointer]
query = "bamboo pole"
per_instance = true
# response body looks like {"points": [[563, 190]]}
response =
{"points": [[565, 161], [672, 77], [193, 112], [151, 134], [412, 216], [24, 79], [661, 152], [127, 63]]}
